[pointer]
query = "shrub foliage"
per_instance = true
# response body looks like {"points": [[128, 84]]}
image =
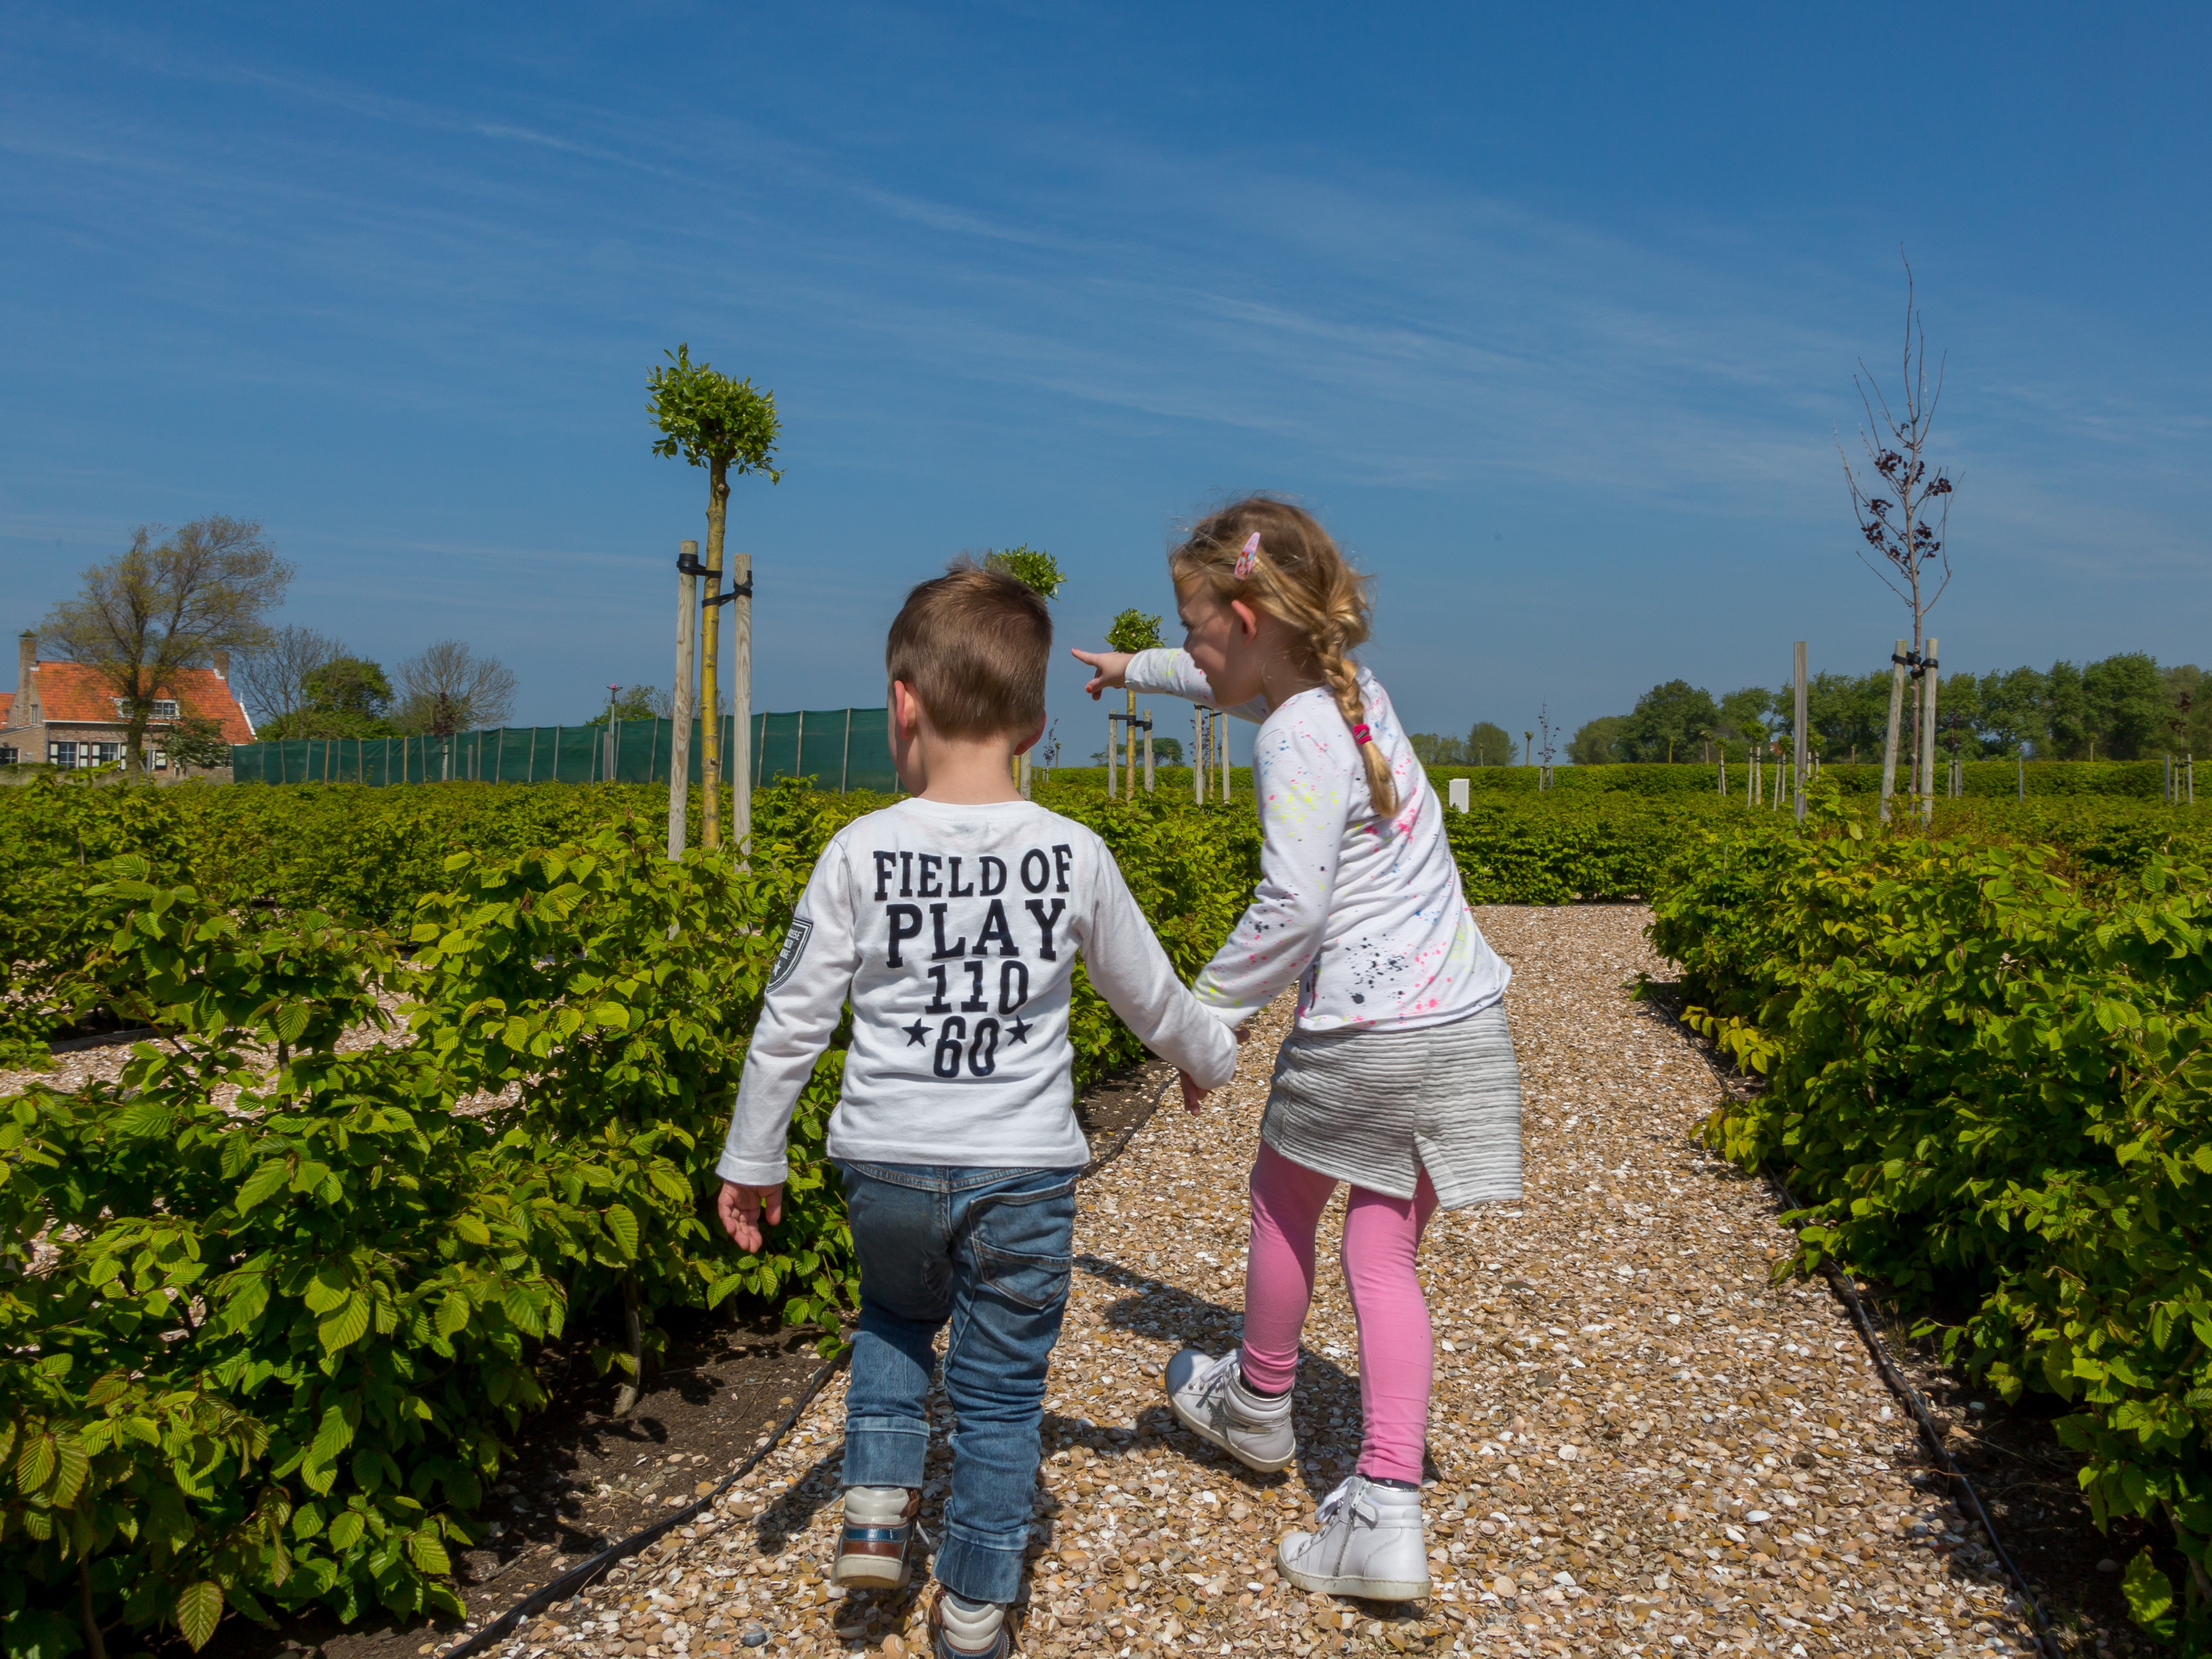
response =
{"points": [[1988, 1062]]}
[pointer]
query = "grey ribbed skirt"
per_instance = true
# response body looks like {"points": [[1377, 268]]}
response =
{"points": [[1377, 1108]]}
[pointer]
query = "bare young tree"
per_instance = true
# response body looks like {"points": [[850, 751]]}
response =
{"points": [[162, 607], [1903, 507], [448, 689], [272, 674]]}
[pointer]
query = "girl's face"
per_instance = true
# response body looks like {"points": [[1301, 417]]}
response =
{"points": [[1223, 642]]}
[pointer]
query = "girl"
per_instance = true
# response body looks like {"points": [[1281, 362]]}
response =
{"points": [[1399, 1077]]}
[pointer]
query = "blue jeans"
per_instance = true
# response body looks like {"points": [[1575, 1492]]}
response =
{"points": [[985, 1251]]}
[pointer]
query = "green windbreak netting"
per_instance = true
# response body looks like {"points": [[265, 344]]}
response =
{"points": [[840, 749]]}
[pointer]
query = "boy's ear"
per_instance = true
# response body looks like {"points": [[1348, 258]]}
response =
{"points": [[1035, 736], [906, 708]]}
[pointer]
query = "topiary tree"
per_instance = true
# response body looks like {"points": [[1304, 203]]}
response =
{"points": [[1133, 630], [725, 426], [1030, 566]]}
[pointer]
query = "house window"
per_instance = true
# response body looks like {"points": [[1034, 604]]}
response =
{"points": [[7, 754], [104, 754], [161, 708], [61, 754]]}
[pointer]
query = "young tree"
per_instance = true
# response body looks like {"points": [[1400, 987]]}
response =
{"points": [[447, 688], [725, 426], [160, 608], [272, 675], [1032, 566], [1133, 631], [1902, 507]]}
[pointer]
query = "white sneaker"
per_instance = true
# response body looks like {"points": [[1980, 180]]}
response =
{"points": [[1369, 1544], [1209, 1398]]}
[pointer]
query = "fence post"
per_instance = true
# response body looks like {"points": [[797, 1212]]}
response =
{"points": [[681, 700], [1148, 755], [1797, 755], [1221, 747], [1198, 754], [1113, 736]]}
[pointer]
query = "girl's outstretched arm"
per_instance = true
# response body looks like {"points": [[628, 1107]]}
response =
{"points": [[1164, 671]]}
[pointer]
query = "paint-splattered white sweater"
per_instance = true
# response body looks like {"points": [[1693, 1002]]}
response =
{"points": [[1366, 912]]}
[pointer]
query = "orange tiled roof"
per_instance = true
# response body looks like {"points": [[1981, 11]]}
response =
{"points": [[70, 691], [6, 702]]}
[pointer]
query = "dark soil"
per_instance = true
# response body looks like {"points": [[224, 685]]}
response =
{"points": [[579, 1480]]}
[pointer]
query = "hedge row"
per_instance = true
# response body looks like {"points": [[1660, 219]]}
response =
{"points": [[1988, 1079], [263, 1350]]}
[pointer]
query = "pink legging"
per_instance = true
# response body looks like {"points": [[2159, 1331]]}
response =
{"points": [[1381, 1236]]}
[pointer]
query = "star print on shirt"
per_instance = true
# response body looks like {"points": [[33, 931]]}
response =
{"points": [[1018, 1032], [916, 1034]]}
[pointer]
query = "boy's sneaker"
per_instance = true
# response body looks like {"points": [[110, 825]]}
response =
{"points": [[1369, 1544], [1209, 1398], [960, 1629], [881, 1537]]}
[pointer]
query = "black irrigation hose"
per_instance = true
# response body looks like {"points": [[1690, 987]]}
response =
{"points": [[1841, 1283], [581, 1576], [585, 1573]]}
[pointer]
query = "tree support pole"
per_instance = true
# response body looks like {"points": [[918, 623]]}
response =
{"points": [[1797, 765], [680, 703], [1896, 714]]}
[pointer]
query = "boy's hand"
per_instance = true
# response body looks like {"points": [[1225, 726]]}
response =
{"points": [[740, 1208], [1108, 670], [1192, 1094]]}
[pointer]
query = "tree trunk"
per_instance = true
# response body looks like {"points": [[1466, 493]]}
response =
{"points": [[94, 1644], [626, 1397], [710, 652]]}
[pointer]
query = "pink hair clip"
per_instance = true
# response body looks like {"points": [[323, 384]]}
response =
{"points": [[1361, 734], [1249, 557]]}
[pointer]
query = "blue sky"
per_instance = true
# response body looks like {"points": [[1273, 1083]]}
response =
{"points": [[1551, 313]]}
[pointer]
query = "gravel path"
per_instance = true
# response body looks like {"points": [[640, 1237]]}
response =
{"points": [[1639, 1446]]}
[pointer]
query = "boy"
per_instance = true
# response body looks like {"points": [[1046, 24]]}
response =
{"points": [[951, 923]]}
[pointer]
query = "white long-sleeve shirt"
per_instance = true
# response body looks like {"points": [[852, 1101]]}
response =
{"points": [[1367, 912], [953, 931]]}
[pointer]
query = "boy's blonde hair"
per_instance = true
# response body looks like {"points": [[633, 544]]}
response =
{"points": [[973, 645], [1297, 574]]}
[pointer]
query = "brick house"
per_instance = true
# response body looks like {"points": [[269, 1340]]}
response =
{"points": [[62, 714]]}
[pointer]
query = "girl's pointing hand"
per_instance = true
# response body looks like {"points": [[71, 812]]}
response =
{"points": [[1108, 670]]}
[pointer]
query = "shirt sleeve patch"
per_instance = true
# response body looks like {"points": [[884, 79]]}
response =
{"points": [[794, 946]]}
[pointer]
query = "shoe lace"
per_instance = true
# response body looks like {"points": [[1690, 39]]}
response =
{"points": [[1352, 1495], [1215, 1378]]}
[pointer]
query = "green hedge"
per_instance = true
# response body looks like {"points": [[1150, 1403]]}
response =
{"points": [[1988, 1059], [274, 1342]]}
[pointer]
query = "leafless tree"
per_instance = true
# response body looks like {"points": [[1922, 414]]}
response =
{"points": [[166, 605], [448, 689], [271, 674], [1903, 507]]}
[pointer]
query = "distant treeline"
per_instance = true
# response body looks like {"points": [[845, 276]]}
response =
{"points": [[2122, 707]]}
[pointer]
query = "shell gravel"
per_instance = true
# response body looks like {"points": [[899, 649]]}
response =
{"points": [[1638, 1444]]}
